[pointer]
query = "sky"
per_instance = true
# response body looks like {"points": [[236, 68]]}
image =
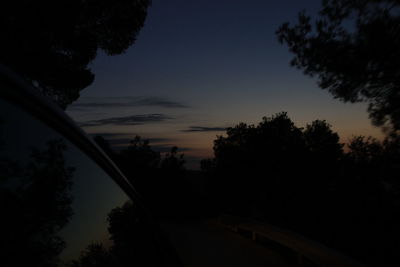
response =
{"points": [[198, 67]]}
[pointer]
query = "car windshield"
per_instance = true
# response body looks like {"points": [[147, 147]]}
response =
{"points": [[59, 208]]}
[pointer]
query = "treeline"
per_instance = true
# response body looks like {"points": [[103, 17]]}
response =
{"points": [[304, 179], [160, 180]]}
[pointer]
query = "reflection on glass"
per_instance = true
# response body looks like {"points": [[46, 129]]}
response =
{"points": [[58, 208]]}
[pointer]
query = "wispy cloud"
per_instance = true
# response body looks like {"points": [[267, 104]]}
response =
{"points": [[204, 129], [127, 120], [162, 148], [116, 102], [160, 102], [122, 140], [116, 139]]}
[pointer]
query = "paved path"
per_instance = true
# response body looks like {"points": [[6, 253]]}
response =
{"points": [[208, 245]]}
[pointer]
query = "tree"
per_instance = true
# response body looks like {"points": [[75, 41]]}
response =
{"points": [[139, 156], [36, 203], [95, 255], [132, 241], [274, 141], [302, 179], [275, 169], [51, 43], [353, 49], [130, 236], [258, 166], [160, 180], [172, 161], [322, 142]]}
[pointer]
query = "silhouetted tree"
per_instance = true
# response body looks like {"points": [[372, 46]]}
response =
{"points": [[36, 205], [207, 164], [366, 200], [160, 180], [51, 43], [324, 152], [172, 175], [378, 160], [95, 255], [322, 142], [173, 161], [302, 179], [353, 48], [139, 156], [139, 162], [322, 161], [134, 242], [259, 165]]}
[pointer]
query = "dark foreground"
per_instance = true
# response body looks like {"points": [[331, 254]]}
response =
{"points": [[208, 244]]}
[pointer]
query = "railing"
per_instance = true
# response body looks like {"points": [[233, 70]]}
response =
{"points": [[304, 251]]}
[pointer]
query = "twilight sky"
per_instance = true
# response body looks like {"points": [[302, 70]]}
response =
{"points": [[201, 66]]}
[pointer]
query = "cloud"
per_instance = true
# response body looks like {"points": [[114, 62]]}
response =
{"points": [[121, 140], [128, 120], [204, 129], [160, 102], [116, 102], [117, 139], [119, 144]]}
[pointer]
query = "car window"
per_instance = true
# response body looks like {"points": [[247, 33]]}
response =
{"points": [[58, 207]]}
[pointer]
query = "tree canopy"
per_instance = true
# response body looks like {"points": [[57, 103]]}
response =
{"points": [[51, 43], [353, 49], [302, 179], [273, 162], [160, 178]]}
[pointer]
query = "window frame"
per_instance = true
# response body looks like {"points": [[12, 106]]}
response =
{"points": [[20, 93]]}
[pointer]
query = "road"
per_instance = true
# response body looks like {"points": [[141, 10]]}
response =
{"points": [[205, 244]]}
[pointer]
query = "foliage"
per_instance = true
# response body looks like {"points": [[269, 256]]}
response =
{"points": [[95, 255], [139, 155], [173, 161], [304, 180], [51, 43], [322, 141], [37, 192], [160, 180], [132, 241], [353, 49], [260, 166], [269, 141], [129, 233]]}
